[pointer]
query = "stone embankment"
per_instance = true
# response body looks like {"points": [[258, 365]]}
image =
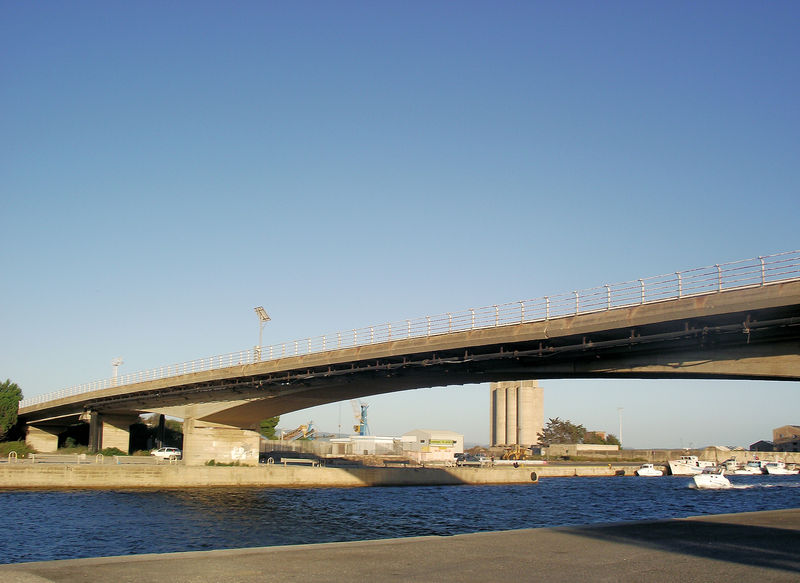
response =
{"points": [[24, 475]]}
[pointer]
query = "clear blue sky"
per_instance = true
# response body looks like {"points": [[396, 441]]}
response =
{"points": [[166, 167]]}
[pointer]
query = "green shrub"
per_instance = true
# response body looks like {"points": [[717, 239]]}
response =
{"points": [[22, 448]]}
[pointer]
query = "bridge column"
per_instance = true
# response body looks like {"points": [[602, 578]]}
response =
{"points": [[43, 439], [204, 441]]}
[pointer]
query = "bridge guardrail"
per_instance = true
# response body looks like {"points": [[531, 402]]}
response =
{"points": [[755, 272]]}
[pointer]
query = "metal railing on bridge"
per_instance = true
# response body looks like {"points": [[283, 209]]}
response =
{"points": [[759, 271]]}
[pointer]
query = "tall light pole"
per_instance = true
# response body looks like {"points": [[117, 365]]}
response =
{"points": [[619, 410], [263, 318], [115, 365]]}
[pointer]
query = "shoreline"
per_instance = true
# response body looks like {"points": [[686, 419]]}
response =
{"points": [[751, 546]]}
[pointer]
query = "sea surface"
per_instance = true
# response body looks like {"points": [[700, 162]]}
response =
{"points": [[39, 525]]}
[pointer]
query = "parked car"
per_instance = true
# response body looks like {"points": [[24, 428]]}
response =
{"points": [[468, 460], [167, 453]]}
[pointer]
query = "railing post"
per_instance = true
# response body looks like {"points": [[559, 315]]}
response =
{"points": [[763, 271], [719, 277], [680, 284], [496, 315], [608, 297], [641, 285], [371, 335], [449, 323], [577, 304], [409, 328], [429, 325], [546, 307], [472, 311], [521, 312], [389, 328], [324, 347], [338, 340]]}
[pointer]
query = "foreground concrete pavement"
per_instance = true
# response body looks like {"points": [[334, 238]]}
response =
{"points": [[762, 546]]}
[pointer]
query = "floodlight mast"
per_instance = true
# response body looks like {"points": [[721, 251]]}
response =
{"points": [[263, 318], [115, 362]]}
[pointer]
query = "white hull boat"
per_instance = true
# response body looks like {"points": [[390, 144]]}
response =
{"points": [[711, 481], [649, 471], [779, 469], [688, 465], [752, 468]]}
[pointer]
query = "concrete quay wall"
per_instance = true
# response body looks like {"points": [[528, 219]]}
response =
{"points": [[21, 475]]}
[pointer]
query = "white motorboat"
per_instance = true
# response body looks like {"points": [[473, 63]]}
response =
{"points": [[779, 469], [711, 480], [751, 468], [688, 465], [649, 470]]}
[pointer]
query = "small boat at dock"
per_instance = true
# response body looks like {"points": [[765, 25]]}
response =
{"points": [[779, 468], [751, 468], [688, 465], [648, 470]]}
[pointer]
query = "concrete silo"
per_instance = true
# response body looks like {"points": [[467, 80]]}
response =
{"points": [[517, 413]]}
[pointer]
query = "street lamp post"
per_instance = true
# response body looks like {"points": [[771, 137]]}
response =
{"points": [[263, 318], [115, 365]]}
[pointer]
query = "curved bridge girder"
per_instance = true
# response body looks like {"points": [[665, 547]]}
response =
{"points": [[751, 333]]}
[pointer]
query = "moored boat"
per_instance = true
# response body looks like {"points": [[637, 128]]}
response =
{"points": [[779, 468], [753, 467], [649, 470], [688, 465]]}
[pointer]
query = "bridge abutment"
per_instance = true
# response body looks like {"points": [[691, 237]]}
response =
{"points": [[204, 441]]}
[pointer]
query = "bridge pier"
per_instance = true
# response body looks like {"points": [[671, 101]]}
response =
{"points": [[204, 441], [109, 430], [116, 431], [43, 438]]}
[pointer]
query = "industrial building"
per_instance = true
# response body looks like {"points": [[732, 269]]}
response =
{"points": [[429, 445], [517, 413]]}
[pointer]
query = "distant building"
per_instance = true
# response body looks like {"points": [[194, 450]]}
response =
{"points": [[762, 446], [786, 438], [365, 445], [427, 445]]}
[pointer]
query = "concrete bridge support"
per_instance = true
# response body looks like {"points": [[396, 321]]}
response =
{"points": [[109, 430], [43, 439], [116, 431], [204, 441]]}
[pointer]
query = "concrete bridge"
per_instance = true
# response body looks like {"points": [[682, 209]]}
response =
{"points": [[733, 321]]}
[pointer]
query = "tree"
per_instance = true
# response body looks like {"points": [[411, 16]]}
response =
{"points": [[266, 427], [558, 431], [10, 396]]}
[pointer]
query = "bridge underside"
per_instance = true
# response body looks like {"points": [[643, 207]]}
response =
{"points": [[702, 339]]}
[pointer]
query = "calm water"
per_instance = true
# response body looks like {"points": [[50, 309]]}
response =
{"points": [[44, 525]]}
